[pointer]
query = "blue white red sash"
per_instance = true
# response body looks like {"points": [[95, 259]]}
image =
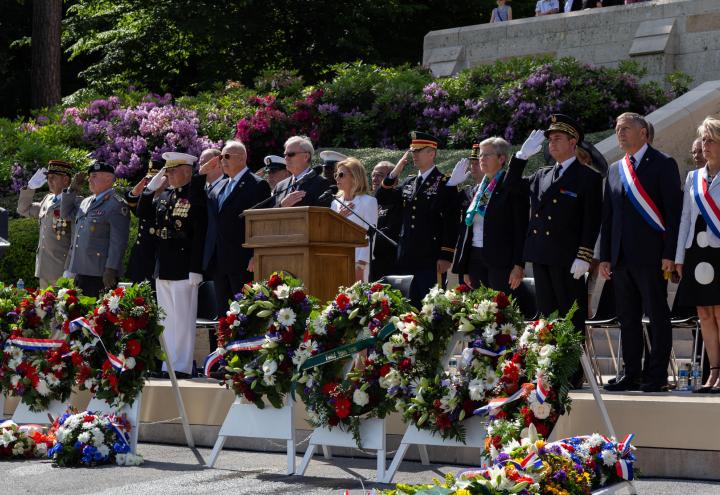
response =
{"points": [[252, 344], [498, 402], [83, 323], [624, 469], [210, 361], [79, 323], [640, 199], [541, 391], [28, 344], [532, 460], [708, 207]]}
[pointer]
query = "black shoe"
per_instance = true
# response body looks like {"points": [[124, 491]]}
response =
{"points": [[624, 384], [611, 381], [705, 390], [654, 387]]}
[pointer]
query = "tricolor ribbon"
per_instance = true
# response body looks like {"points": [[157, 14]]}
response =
{"points": [[706, 204], [83, 323], [640, 199], [119, 433], [252, 344], [498, 402], [624, 469], [532, 460], [28, 344], [625, 446], [211, 360], [541, 391]]}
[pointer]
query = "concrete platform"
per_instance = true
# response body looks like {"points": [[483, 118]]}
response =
{"points": [[676, 433]]}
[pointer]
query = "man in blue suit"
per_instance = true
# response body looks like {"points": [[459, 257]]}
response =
{"points": [[240, 190], [641, 216]]}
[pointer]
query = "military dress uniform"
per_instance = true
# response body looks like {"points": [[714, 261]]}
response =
{"points": [[178, 219], [565, 212], [428, 209], [141, 265], [102, 225], [55, 232]]}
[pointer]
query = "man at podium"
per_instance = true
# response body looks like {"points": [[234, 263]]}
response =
{"points": [[429, 212], [304, 187]]}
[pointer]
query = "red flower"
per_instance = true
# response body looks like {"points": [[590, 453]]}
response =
{"points": [[342, 301], [274, 281], [132, 348], [503, 339], [468, 406], [385, 369], [76, 358], [139, 301], [288, 336], [342, 407], [328, 388], [297, 296], [376, 287], [405, 364], [443, 421], [499, 318], [250, 395], [129, 325], [462, 288], [542, 429], [502, 301]]}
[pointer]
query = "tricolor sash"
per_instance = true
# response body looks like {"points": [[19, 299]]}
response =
{"points": [[639, 197], [28, 344], [498, 402], [251, 344], [541, 391], [211, 360], [531, 461], [705, 202]]}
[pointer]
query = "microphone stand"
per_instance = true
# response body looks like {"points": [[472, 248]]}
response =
{"points": [[371, 228]]}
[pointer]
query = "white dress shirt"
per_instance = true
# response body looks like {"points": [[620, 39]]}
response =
{"points": [[365, 206]]}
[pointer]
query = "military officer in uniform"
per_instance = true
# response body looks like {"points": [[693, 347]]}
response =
{"points": [[178, 217], [102, 224], [565, 208], [429, 212], [141, 265], [384, 256], [330, 160], [55, 232], [275, 170]]}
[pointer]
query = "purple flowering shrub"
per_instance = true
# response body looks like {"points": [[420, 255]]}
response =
{"points": [[129, 137]]}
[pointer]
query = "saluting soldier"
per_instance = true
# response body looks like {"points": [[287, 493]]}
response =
{"points": [[141, 265], [429, 212], [565, 210], [384, 256], [179, 221], [55, 232], [102, 224]]}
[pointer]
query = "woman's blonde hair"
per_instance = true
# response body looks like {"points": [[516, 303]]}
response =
{"points": [[357, 172], [711, 125]]}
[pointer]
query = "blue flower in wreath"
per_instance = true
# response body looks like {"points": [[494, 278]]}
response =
{"points": [[121, 448], [55, 449]]}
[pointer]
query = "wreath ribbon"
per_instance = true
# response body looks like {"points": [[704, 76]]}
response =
{"points": [[83, 322]]}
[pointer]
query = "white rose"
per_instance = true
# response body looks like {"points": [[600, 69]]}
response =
{"points": [[42, 388], [541, 411], [547, 350], [360, 398], [476, 389], [130, 363], [282, 291], [269, 367]]}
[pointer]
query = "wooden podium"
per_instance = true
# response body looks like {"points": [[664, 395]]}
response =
{"points": [[312, 243]]}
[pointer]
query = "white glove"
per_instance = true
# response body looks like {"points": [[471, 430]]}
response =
{"points": [[156, 181], [67, 274], [579, 268], [459, 173], [532, 145], [38, 179], [195, 279]]}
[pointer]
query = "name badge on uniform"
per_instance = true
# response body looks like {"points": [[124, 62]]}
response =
{"points": [[568, 193]]}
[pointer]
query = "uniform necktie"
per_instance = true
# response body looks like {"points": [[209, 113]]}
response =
{"points": [[556, 171]]}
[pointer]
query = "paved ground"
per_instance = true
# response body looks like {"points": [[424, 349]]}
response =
{"points": [[178, 470]]}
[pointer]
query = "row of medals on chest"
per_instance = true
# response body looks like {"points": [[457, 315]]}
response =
{"points": [[181, 209], [59, 226]]}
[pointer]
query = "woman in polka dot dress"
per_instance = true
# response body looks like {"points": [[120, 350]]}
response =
{"points": [[698, 251]]}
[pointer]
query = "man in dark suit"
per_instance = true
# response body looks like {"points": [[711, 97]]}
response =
{"points": [[141, 265], [304, 187], [429, 216], [641, 216], [565, 205], [239, 191], [211, 169], [384, 256], [494, 221]]}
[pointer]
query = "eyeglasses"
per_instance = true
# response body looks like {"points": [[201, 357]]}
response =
{"points": [[227, 156], [340, 175], [290, 154]]}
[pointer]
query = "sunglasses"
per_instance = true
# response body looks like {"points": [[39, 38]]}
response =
{"points": [[227, 156], [340, 175], [290, 154]]}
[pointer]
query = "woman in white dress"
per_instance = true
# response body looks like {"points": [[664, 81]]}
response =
{"points": [[353, 188]]}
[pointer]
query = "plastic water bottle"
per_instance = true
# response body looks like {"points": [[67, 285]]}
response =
{"points": [[20, 284], [683, 378], [696, 376]]}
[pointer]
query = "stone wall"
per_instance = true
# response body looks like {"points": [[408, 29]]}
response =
{"points": [[663, 36]]}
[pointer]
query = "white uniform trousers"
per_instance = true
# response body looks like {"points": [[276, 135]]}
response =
{"points": [[178, 299]]}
